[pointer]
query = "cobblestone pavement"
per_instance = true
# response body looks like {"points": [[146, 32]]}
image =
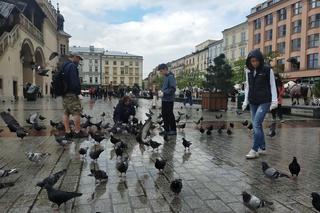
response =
{"points": [[214, 172]]}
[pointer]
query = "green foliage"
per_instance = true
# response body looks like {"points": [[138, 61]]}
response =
{"points": [[238, 67], [158, 81], [184, 80], [219, 76], [316, 89], [271, 56]]}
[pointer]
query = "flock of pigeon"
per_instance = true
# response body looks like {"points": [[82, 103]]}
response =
{"points": [[101, 131]]}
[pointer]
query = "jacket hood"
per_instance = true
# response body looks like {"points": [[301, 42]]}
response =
{"points": [[255, 54]]}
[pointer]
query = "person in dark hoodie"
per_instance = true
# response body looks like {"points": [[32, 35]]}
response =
{"points": [[123, 111], [168, 96], [261, 95]]}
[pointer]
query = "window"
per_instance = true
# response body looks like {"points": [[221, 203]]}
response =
{"points": [[313, 40], [62, 49], [96, 69], [281, 47], [90, 68], [257, 38], [106, 62], [268, 19], [297, 8], [95, 61], [243, 36], [122, 70], [122, 80], [296, 65], [313, 61], [296, 26], [282, 14], [137, 71], [282, 31], [136, 80], [137, 63], [280, 64], [114, 62], [314, 21], [242, 52], [257, 25], [96, 78], [296, 44], [90, 80], [130, 71], [115, 71], [126, 70], [106, 70], [122, 63], [269, 35], [130, 63], [90, 61], [314, 3], [114, 81], [233, 39], [267, 49]]}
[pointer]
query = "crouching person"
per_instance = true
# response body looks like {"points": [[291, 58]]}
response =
{"points": [[123, 111]]}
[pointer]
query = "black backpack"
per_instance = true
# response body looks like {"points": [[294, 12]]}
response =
{"points": [[59, 85]]}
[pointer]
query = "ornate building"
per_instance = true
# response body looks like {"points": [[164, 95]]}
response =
{"points": [[32, 40]]}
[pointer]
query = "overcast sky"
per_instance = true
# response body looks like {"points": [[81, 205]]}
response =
{"points": [[158, 30]]}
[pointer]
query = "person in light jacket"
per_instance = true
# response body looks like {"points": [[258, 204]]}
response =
{"points": [[261, 96]]}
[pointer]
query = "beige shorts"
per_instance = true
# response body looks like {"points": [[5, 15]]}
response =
{"points": [[72, 104]]}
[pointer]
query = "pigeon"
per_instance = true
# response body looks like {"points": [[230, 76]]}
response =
{"points": [[209, 132], [210, 128], [294, 167], [103, 114], [9, 110], [119, 149], [253, 202], [178, 120], [122, 166], [6, 185], [83, 151], [148, 115], [272, 130], [58, 197], [316, 200], [219, 116], [250, 126], [160, 122], [176, 186], [42, 118], [21, 133], [94, 155], [272, 173], [188, 117], [114, 140], [181, 126], [220, 130], [239, 112], [245, 123], [202, 130], [232, 125], [62, 141], [180, 113], [199, 121], [97, 137], [7, 172], [36, 157], [52, 179], [160, 164], [229, 132], [99, 175], [186, 143], [154, 144]]}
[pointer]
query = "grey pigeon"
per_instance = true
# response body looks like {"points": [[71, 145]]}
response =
{"points": [[154, 144], [7, 172], [176, 186], [52, 179], [272, 173], [37, 156], [63, 141], [186, 143], [83, 151], [6, 185], [160, 164], [94, 155], [99, 175], [253, 202], [316, 200], [122, 166], [58, 197]]}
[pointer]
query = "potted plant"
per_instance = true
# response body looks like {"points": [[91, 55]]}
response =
{"points": [[218, 84]]}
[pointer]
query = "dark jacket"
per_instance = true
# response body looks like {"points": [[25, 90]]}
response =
{"points": [[122, 112], [71, 74], [259, 80], [169, 87]]}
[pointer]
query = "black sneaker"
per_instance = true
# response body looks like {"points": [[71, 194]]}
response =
{"points": [[81, 134], [68, 136]]}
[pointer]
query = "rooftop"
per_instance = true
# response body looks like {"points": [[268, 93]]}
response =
{"points": [[90, 49], [263, 6], [236, 26]]}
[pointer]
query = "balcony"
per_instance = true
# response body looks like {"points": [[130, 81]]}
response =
{"points": [[8, 39], [30, 29]]}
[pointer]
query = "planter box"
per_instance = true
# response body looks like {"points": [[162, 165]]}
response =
{"points": [[214, 101]]}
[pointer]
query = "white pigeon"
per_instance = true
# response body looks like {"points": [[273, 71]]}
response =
{"points": [[37, 156]]}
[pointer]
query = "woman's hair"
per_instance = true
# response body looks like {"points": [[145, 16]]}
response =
{"points": [[126, 99]]}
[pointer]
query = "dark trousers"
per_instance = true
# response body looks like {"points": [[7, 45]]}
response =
{"points": [[169, 120], [277, 111]]}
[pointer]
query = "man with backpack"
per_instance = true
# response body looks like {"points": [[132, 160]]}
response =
{"points": [[67, 83]]}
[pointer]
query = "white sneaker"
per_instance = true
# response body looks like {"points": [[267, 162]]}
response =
{"points": [[252, 154], [262, 151]]}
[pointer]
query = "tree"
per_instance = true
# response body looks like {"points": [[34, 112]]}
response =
{"points": [[158, 81], [238, 68], [219, 76], [270, 59], [184, 80]]}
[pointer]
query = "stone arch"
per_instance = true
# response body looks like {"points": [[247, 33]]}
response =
{"points": [[39, 61], [26, 58]]}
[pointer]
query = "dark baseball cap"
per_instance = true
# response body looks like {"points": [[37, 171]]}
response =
{"points": [[162, 67]]}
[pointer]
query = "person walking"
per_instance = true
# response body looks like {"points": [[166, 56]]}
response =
{"points": [[71, 101], [188, 94], [168, 96], [110, 91], [280, 93], [261, 95]]}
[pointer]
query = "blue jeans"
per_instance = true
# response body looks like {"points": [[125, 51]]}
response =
{"points": [[258, 113], [188, 99]]}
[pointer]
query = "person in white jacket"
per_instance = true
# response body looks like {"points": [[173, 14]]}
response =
{"points": [[261, 96]]}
